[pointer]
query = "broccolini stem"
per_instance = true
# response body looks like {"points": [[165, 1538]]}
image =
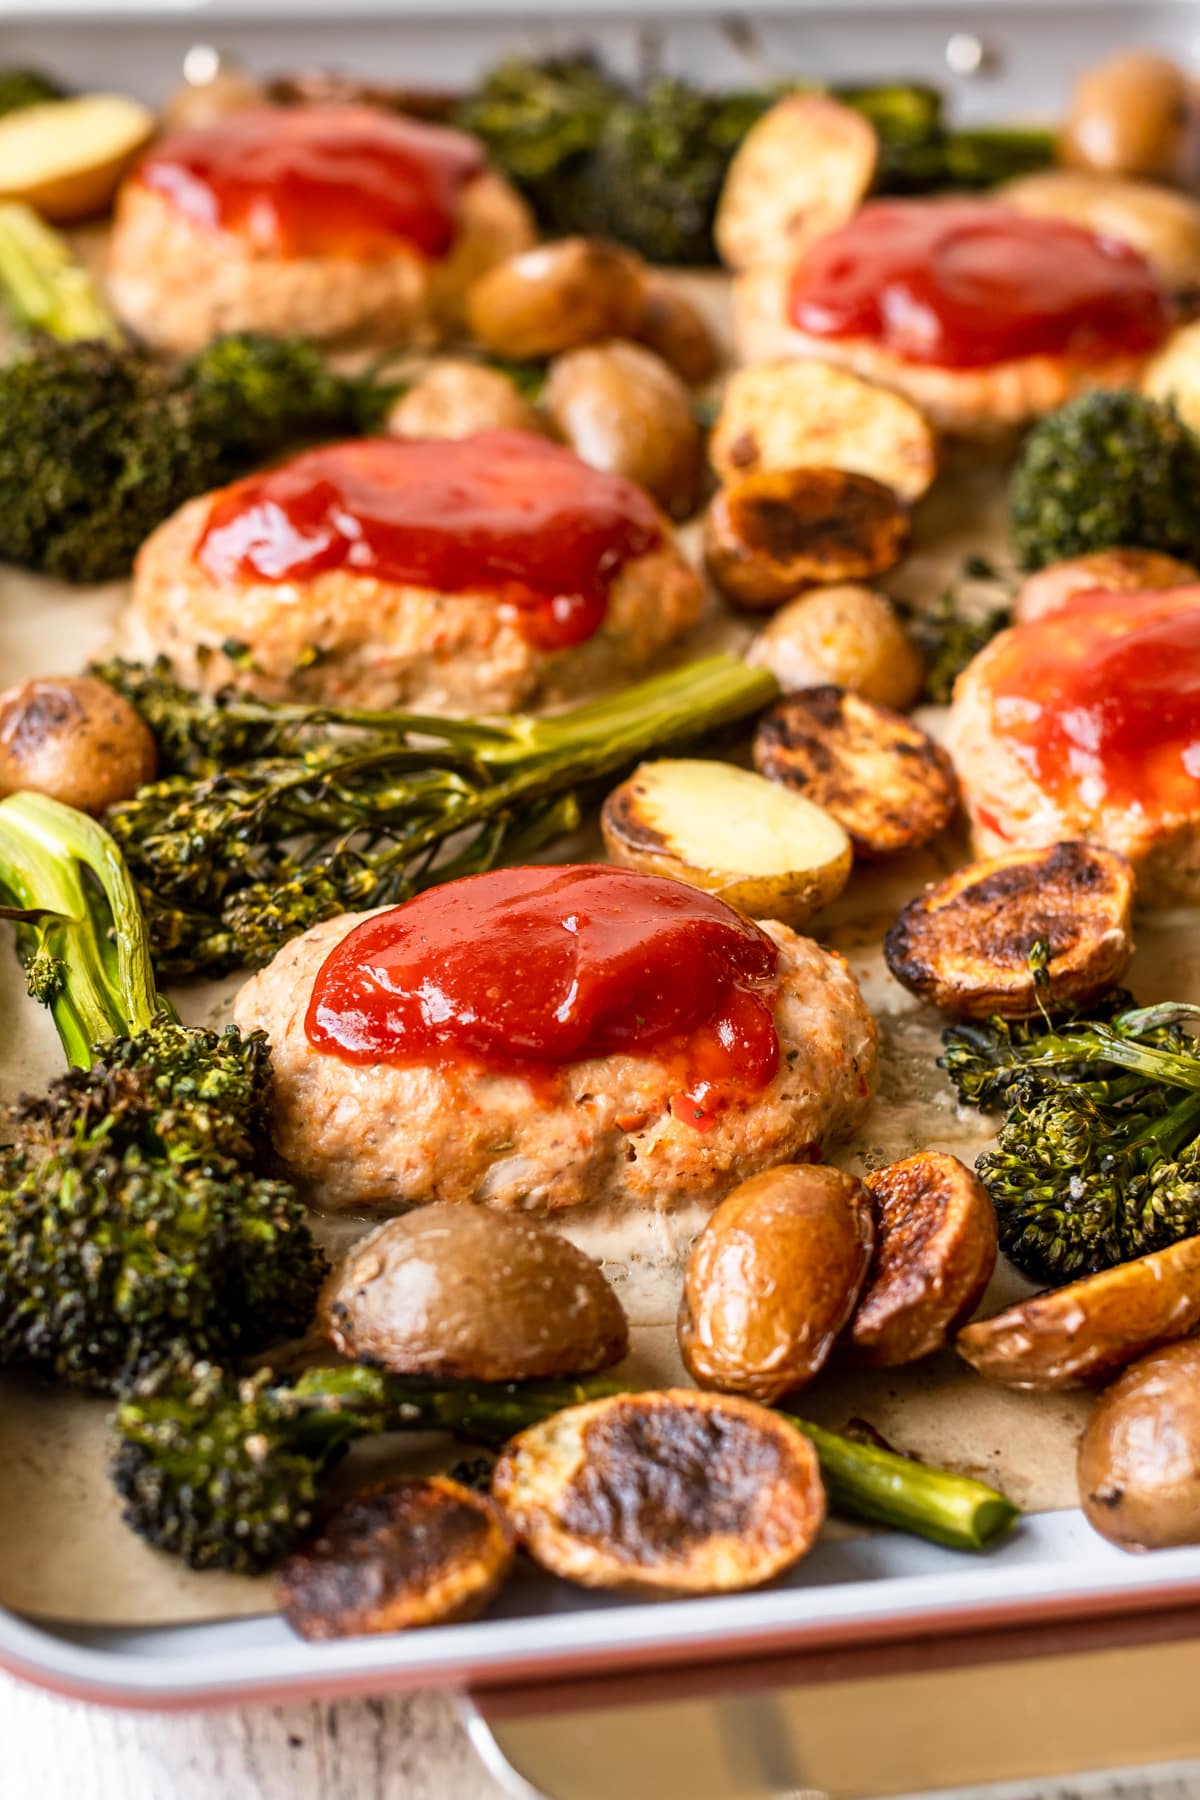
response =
{"points": [[490, 1413], [1113, 1044], [43, 286]]}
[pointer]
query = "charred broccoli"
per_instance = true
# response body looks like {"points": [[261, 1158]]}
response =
{"points": [[27, 87], [133, 1218], [1111, 468], [541, 122]]}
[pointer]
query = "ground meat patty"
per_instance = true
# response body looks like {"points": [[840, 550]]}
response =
{"points": [[383, 1136]]}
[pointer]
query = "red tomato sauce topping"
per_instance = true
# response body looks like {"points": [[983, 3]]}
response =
{"points": [[296, 181], [1103, 699], [963, 284], [522, 971], [504, 513]]}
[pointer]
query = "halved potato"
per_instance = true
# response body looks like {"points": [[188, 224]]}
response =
{"points": [[964, 944], [847, 636], [555, 296], [799, 172], [884, 779], [66, 157], [808, 414], [1048, 590], [670, 1493], [1162, 224], [935, 1249], [772, 534], [404, 1553], [1073, 1334], [770, 853], [1174, 374]]}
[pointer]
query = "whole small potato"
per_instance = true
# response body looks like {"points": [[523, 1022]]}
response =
{"points": [[1132, 115], [773, 1279], [454, 1290], [77, 740], [675, 329], [455, 398], [623, 410], [556, 296], [846, 636], [194, 104], [1139, 1457]]}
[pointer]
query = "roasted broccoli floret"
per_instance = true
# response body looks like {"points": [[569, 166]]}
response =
{"points": [[1111, 468], [133, 1214], [27, 87], [267, 391]]}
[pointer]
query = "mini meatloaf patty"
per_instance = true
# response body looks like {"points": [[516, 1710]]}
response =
{"points": [[384, 1136], [342, 635]]}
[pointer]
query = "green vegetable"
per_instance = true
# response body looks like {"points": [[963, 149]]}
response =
{"points": [[283, 816], [960, 623], [1112, 468], [42, 285], [1098, 1158], [132, 1213], [27, 87]]}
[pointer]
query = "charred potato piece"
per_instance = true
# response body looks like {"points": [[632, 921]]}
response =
{"points": [[76, 739], [965, 943], [885, 781], [799, 172], [675, 329], [1164, 226], [770, 535], [621, 409], [663, 1493], [458, 1291], [771, 854], [551, 298], [403, 1553], [1073, 1334], [1174, 375], [772, 1280], [65, 157], [1139, 1457], [808, 414], [935, 1249], [455, 398], [1133, 114], [1108, 571], [847, 636]]}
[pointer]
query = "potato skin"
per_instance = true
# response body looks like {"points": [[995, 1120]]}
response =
{"points": [[964, 944], [553, 297], [770, 535], [455, 398], [1133, 114], [1073, 1334], [935, 1249], [1139, 1456], [773, 1278], [621, 409], [675, 329], [847, 636], [76, 739], [462, 1292]]}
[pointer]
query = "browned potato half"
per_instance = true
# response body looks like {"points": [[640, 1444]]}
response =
{"points": [[772, 534], [556, 296], [807, 414], [768, 852], [65, 157], [964, 944], [76, 739], [459, 1291], [667, 1493], [673, 327], [1139, 1457], [455, 398], [1162, 224], [935, 1249], [1073, 1334], [1111, 571], [886, 782], [846, 636], [1133, 114], [773, 1278], [403, 1553], [799, 172], [622, 409]]}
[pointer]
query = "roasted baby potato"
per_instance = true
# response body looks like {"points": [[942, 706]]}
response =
{"points": [[770, 853], [1073, 1334], [935, 1249], [556, 296], [1163, 225], [845, 636], [965, 943], [675, 329], [1139, 1456], [772, 534], [455, 398], [667, 1493], [808, 414], [76, 739], [65, 157], [1134, 114], [622, 409], [463, 1292], [403, 1553], [886, 782], [1174, 375], [773, 1278], [197, 103], [1109, 571], [799, 172]]}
